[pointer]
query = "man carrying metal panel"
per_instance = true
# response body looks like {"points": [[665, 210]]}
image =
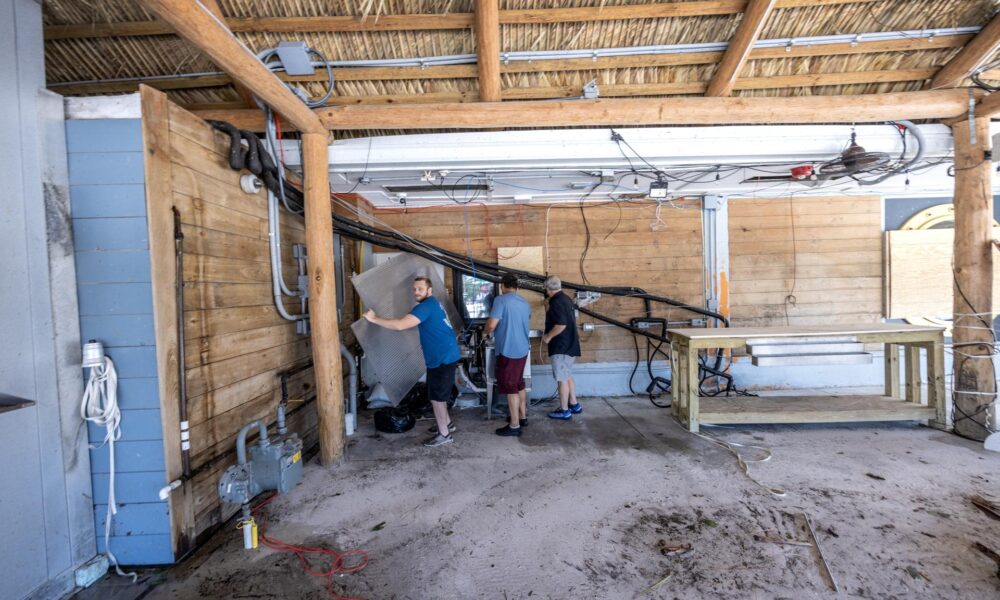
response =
{"points": [[564, 346], [441, 354], [510, 318]]}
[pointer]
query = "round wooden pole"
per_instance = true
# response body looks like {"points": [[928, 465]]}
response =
{"points": [[973, 383], [323, 298]]}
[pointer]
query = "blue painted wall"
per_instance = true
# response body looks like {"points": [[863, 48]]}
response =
{"points": [[111, 246]]}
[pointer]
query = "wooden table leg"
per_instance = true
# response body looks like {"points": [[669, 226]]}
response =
{"points": [[892, 370], [935, 383], [676, 376], [912, 367], [691, 360]]}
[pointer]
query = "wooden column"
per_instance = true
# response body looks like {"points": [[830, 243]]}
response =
{"points": [[488, 49], [972, 335], [323, 298]]}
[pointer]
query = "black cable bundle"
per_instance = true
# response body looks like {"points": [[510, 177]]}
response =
{"points": [[247, 151]]}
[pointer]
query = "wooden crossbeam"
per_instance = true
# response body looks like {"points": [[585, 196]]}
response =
{"points": [[626, 90], [972, 55], [488, 49], [868, 108], [429, 22], [536, 66], [738, 52]]}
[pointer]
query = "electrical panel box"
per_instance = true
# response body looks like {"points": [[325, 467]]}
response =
{"points": [[295, 58]]}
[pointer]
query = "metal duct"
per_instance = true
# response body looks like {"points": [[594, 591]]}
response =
{"points": [[396, 356]]}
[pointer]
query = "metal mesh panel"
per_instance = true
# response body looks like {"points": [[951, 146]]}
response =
{"points": [[396, 356]]}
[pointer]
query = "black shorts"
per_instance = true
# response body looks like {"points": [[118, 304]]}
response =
{"points": [[440, 380]]}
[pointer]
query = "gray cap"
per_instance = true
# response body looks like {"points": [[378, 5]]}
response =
{"points": [[553, 284]]}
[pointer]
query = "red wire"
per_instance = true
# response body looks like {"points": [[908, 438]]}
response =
{"points": [[336, 567]]}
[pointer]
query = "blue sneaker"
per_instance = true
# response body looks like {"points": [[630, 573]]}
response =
{"points": [[576, 408], [562, 415]]}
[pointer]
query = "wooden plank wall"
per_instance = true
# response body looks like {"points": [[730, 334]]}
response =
{"points": [[236, 343], [629, 245], [805, 260]]}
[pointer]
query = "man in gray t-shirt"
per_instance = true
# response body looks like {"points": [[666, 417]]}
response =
{"points": [[510, 318]]}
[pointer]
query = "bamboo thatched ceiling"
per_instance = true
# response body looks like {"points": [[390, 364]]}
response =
{"points": [[117, 54]]}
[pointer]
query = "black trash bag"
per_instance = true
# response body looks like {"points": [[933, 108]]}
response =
{"points": [[416, 397], [394, 420]]}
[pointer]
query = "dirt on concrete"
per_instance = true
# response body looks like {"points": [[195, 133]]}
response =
{"points": [[605, 505]]}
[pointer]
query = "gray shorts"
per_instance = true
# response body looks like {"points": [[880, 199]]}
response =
{"points": [[562, 366]]}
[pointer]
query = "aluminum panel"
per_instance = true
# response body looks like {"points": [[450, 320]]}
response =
{"points": [[396, 356]]}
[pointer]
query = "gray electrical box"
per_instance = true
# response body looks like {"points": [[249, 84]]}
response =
{"points": [[295, 58]]}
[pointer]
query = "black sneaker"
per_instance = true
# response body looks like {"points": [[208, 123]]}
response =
{"points": [[451, 428], [508, 431], [524, 422], [439, 440]]}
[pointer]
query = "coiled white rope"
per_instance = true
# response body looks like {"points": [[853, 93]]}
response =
{"points": [[100, 407]]}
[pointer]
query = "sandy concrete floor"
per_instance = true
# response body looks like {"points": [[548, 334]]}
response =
{"points": [[581, 509]]}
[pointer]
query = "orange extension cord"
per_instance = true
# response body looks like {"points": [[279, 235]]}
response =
{"points": [[336, 567]]}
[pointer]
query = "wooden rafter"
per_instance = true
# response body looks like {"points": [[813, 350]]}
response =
{"points": [[870, 108], [242, 90], [536, 66], [488, 49], [972, 55], [738, 52], [209, 34], [434, 22]]}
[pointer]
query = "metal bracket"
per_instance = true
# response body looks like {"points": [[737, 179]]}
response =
{"points": [[590, 91]]}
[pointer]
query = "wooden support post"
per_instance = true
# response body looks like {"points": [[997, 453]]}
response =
{"points": [[693, 388], [972, 336], [892, 370], [936, 396], [912, 369], [488, 49], [676, 377], [323, 298]]}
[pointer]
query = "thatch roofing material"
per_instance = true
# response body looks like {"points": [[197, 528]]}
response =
{"points": [[113, 58]]}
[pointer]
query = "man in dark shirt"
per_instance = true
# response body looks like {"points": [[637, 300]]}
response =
{"points": [[440, 348], [564, 346]]}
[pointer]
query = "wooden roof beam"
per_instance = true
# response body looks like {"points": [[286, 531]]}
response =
{"points": [[210, 35], [740, 46], [659, 10], [972, 55], [241, 89], [604, 112], [488, 49]]}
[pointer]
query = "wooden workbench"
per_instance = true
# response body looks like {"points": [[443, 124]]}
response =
{"points": [[892, 406]]}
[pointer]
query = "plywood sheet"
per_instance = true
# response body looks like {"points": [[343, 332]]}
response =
{"points": [[919, 268]]}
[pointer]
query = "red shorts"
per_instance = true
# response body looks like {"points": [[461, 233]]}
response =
{"points": [[510, 374]]}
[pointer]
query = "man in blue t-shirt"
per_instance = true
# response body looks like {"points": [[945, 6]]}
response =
{"points": [[509, 318], [441, 354]]}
